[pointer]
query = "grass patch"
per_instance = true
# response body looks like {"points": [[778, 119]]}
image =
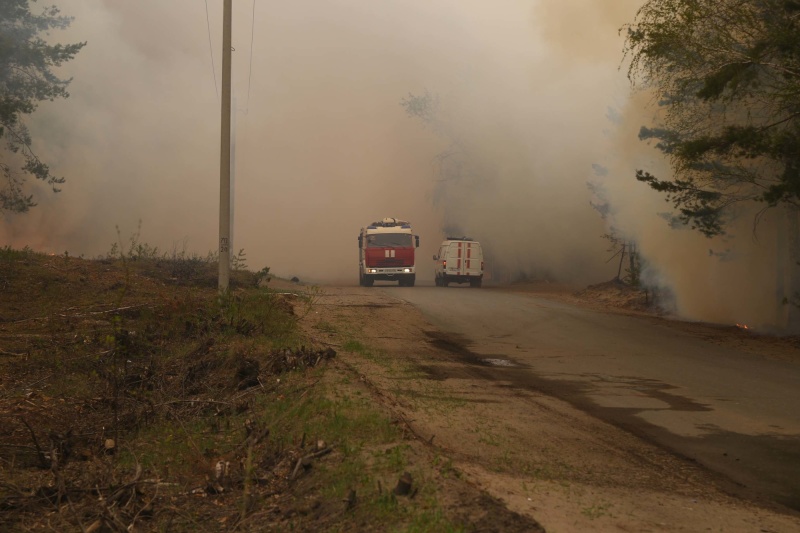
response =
{"points": [[596, 511], [355, 347]]}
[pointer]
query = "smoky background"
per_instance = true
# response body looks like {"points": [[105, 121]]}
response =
{"points": [[535, 91]]}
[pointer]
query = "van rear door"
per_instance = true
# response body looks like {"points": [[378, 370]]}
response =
{"points": [[466, 257]]}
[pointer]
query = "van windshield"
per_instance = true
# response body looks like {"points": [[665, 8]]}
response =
{"points": [[383, 240]]}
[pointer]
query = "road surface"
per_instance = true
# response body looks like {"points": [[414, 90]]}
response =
{"points": [[734, 412]]}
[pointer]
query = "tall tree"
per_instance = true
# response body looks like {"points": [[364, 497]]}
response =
{"points": [[27, 78], [726, 74]]}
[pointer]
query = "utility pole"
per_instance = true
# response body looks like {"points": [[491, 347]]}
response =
{"points": [[225, 152], [234, 111]]}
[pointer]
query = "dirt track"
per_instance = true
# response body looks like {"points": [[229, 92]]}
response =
{"points": [[541, 456]]}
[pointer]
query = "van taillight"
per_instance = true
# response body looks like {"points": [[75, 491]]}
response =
{"points": [[444, 263], [481, 265]]}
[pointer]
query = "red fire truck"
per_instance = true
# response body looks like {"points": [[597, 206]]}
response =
{"points": [[386, 252]]}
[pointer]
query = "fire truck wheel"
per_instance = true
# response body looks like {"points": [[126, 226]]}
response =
{"points": [[368, 281]]}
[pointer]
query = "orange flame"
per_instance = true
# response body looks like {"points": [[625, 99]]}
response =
{"points": [[742, 326]]}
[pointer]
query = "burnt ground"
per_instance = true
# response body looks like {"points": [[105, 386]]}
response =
{"points": [[134, 398]]}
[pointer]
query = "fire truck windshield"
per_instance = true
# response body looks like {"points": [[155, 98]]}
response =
{"points": [[384, 240]]}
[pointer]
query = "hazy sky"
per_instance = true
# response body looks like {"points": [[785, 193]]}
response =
{"points": [[324, 147]]}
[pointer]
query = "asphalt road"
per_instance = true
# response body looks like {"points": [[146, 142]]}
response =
{"points": [[734, 412]]}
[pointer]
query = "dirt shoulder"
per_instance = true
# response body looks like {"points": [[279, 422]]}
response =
{"points": [[538, 455]]}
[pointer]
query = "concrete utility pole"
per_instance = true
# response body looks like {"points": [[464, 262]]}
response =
{"points": [[234, 111], [225, 152]]}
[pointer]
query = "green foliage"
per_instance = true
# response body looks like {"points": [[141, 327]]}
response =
{"points": [[727, 76], [7, 253], [26, 78], [698, 207], [262, 276], [239, 261]]}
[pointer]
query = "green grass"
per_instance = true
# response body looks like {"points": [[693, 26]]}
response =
{"points": [[431, 522], [355, 347], [326, 327], [368, 448], [596, 511]]}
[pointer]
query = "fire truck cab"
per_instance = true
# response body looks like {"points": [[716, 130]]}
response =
{"points": [[460, 260], [386, 252]]}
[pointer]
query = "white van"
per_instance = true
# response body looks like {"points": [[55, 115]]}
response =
{"points": [[460, 260]]}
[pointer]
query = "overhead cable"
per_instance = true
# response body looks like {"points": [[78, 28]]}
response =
{"points": [[211, 51]]}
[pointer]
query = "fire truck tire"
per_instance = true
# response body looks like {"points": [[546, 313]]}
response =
{"points": [[368, 281], [408, 282]]}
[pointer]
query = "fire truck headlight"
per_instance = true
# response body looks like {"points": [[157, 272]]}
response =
{"points": [[406, 270], [372, 271]]}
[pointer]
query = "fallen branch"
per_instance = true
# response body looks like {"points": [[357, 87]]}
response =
{"points": [[115, 310], [39, 452], [38, 381], [305, 461], [214, 402]]}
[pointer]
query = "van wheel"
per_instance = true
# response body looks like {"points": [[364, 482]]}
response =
{"points": [[437, 281], [445, 281], [475, 283]]}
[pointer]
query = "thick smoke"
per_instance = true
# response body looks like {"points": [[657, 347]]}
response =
{"points": [[323, 145]]}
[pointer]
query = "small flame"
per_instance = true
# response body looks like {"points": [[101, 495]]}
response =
{"points": [[742, 326]]}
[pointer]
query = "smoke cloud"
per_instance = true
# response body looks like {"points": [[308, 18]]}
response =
{"points": [[534, 91]]}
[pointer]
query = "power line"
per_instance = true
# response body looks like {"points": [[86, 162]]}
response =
{"points": [[211, 51], [250, 73]]}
